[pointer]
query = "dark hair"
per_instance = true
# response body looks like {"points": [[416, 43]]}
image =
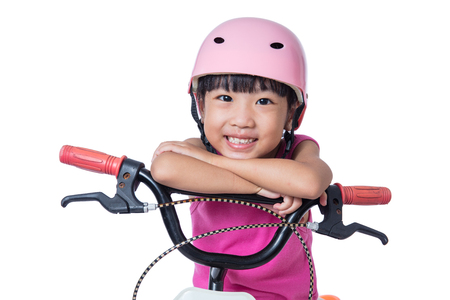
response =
{"points": [[242, 83]]}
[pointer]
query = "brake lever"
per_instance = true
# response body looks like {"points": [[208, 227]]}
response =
{"points": [[125, 200], [332, 224]]}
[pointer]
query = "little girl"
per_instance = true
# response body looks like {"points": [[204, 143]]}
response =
{"points": [[249, 86]]}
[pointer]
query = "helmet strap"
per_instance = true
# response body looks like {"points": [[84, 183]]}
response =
{"points": [[289, 137], [200, 125]]}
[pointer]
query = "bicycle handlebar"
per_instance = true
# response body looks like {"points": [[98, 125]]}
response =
{"points": [[100, 162], [130, 173]]}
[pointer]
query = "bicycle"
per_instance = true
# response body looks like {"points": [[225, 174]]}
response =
{"points": [[131, 173]]}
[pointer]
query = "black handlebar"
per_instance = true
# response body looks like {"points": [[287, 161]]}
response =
{"points": [[133, 172]]}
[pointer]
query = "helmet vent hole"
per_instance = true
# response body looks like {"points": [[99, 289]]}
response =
{"points": [[219, 40], [276, 45]]}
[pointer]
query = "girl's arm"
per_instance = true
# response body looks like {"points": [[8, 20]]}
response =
{"points": [[172, 166], [304, 176]]}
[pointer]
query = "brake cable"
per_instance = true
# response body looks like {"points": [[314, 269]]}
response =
{"points": [[130, 172], [283, 223]]}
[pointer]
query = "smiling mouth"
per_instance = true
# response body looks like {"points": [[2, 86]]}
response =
{"points": [[238, 141]]}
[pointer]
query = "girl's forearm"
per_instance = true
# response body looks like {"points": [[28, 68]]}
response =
{"points": [[287, 177], [187, 173]]}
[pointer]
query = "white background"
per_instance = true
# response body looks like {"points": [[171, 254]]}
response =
{"points": [[113, 75]]}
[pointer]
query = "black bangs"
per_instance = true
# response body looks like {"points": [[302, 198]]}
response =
{"points": [[240, 83]]}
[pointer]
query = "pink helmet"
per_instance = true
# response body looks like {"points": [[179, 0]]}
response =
{"points": [[255, 47]]}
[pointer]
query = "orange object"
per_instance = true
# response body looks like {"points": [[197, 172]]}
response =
{"points": [[328, 297], [91, 160], [364, 195]]}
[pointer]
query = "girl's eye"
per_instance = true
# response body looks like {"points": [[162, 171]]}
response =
{"points": [[264, 101], [225, 98]]}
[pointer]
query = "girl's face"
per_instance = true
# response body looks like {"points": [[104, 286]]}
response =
{"points": [[245, 125]]}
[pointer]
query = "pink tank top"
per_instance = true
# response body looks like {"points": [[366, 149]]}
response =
{"points": [[286, 277]]}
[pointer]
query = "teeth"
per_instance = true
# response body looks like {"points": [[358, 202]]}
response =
{"points": [[240, 141]]}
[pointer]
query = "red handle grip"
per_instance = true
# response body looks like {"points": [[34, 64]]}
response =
{"points": [[364, 195], [91, 160]]}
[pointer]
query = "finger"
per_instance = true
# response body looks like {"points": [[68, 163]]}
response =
{"points": [[296, 203], [287, 202], [164, 147], [170, 147], [268, 194], [323, 199]]}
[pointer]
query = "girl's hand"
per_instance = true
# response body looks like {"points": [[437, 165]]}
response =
{"points": [[288, 206], [184, 148], [291, 204], [268, 194], [323, 199]]}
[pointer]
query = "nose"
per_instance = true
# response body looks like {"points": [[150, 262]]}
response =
{"points": [[242, 116]]}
